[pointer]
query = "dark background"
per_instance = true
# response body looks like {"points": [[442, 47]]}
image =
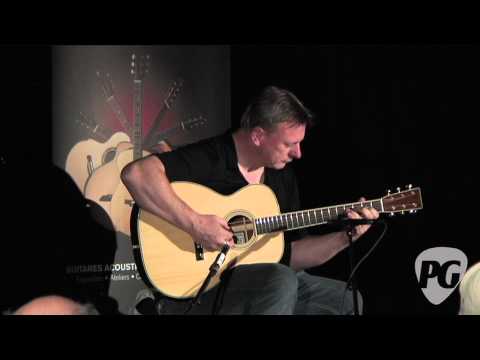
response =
{"points": [[387, 116]]}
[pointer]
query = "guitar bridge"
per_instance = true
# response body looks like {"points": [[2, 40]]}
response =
{"points": [[107, 197], [129, 202], [198, 252]]}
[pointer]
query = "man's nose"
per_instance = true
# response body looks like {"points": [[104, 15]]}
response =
{"points": [[297, 152]]}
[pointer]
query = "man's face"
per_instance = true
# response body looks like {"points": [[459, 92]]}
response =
{"points": [[282, 144]]}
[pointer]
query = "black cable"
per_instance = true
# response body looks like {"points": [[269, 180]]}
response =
{"points": [[213, 270], [354, 270], [222, 288]]}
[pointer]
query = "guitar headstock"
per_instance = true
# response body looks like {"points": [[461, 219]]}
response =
{"points": [[409, 199], [139, 66], [194, 122], [173, 92], [106, 83]]}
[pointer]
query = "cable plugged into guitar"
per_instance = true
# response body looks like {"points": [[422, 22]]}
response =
{"points": [[213, 270], [216, 265]]}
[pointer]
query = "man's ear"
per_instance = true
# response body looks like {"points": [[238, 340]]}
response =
{"points": [[257, 135]]}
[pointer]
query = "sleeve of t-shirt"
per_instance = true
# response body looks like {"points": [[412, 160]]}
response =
{"points": [[195, 162]]}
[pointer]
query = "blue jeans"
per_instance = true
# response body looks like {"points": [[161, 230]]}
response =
{"points": [[269, 289]]}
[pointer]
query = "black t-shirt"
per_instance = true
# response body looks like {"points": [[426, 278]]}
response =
{"points": [[213, 163]]}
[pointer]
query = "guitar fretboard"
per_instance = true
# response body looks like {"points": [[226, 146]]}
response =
{"points": [[117, 110], [311, 217], [97, 131], [153, 136], [138, 111]]}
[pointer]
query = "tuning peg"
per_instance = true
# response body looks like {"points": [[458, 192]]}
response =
{"points": [[398, 189], [389, 191], [409, 186], [402, 212], [133, 56], [412, 211], [391, 214]]}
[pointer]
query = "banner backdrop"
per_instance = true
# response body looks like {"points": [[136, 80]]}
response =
{"points": [[114, 104]]}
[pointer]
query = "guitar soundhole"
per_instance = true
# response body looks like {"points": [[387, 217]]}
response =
{"points": [[242, 228], [109, 155]]}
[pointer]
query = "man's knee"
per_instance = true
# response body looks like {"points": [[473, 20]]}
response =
{"points": [[280, 290], [281, 279], [276, 279], [261, 289]]}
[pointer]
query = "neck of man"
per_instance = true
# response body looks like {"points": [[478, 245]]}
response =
{"points": [[247, 154]]}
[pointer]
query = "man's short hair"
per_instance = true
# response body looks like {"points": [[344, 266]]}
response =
{"points": [[274, 105]]}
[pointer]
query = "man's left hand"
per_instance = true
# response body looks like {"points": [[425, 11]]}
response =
{"points": [[364, 213]]}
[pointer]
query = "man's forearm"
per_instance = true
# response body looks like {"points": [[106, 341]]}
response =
{"points": [[316, 250]]}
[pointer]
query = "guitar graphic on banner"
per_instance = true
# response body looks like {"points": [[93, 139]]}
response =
{"points": [[153, 137], [104, 180], [90, 154], [170, 260], [107, 87], [105, 186]]}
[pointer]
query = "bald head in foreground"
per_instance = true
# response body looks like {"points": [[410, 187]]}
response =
{"points": [[55, 305], [470, 291]]}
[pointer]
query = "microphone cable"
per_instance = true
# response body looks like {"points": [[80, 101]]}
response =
{"points": [[212, 272], [354, 270]]}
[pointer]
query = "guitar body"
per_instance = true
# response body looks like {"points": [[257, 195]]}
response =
{"points": [[100, 154], [122, 202], [169, 254], [104, 180]]}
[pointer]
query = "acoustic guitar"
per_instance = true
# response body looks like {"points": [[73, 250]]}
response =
{"points": [[170, 260]]}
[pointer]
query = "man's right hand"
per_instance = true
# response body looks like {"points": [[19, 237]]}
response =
{"points": [[212, 232]]}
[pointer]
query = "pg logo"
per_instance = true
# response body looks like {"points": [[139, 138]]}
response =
{"points": [[439, 271]]}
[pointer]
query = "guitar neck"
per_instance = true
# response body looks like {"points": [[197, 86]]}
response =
{"points": [[167, 133], [312, 217], [117, 110], [97, 131], [154, 137], [138, 111]]}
